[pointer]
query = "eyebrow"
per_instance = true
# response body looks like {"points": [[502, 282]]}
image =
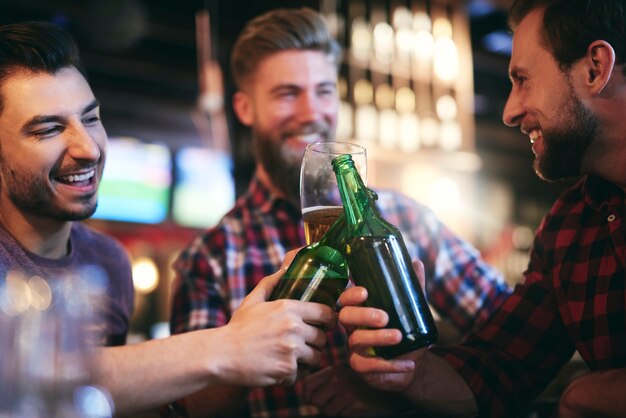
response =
{"points": [[40, 119], [290, 86]]}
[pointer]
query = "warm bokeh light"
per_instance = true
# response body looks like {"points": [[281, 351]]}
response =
{"points": [[41, 294], [442, 27], [424, 45], [450, 135], [366, 118], [409, 132], [383, 42], [429, 131], [446, 107], [344, 120], [145, 275], [385, 96], [446, 59], [363, 92], [444, 195], [361, 39], [405, 100]]}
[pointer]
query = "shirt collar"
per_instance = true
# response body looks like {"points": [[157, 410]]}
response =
{"points": [[599, 193]]}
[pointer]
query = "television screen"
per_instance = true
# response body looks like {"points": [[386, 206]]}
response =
{"points": [[204, 189], [136, 182]]}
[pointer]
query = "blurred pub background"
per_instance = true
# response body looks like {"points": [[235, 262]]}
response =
{"points": [[422, 84]]}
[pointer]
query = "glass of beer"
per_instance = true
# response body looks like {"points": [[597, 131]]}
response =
{"points": [[319, 194]]}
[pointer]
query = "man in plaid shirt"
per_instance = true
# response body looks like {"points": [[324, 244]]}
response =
{"points": [[285, 65], [568, 71]]}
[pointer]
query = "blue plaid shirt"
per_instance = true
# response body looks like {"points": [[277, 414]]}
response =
{"points": [[225, 263]]}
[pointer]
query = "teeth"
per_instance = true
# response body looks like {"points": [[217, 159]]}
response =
{"points": [[309, 137], [534, 135], [79, 177]]}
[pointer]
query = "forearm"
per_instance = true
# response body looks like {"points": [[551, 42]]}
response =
{"points": [[596, 394], [154, 373], [438, 388]]}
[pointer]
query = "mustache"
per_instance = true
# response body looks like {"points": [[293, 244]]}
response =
{"points": [[321, 128]]}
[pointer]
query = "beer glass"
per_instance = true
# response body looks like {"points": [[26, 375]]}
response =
{"points": [[319, 195]]}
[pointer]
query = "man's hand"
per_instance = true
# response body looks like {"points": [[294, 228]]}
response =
{"points": [[365, 327], [339, 391], [266, 341]]}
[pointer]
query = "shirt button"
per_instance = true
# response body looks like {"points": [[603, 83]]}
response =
{"points": [[611, 218]]}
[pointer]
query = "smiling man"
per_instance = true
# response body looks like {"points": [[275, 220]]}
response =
{"points": [[568, 74], [285, 65], [52, 152]]}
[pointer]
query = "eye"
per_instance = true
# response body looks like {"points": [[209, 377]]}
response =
{"points": [[91, 120], [48, 131]]}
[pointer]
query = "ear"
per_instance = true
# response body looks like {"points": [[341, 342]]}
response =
{"points": [[599, 62], [243, 107]]}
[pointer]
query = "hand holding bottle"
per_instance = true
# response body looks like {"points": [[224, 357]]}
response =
{"points": [[264, 342], [366, 330]]}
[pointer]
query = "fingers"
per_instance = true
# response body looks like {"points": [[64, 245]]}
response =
{"points": [[289, 256], [353, 296], [357, 316], [366, 364], [362, 339], [264, 289], [317, 314]]}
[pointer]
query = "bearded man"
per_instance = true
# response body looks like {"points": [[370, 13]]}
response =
{"points": [[285, 66]]}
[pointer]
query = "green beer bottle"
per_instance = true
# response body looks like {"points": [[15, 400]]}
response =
{"points": [[379, 261], [319, 272]]}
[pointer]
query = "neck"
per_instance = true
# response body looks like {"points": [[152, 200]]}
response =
{"points": [[265, 179], [38, 235]]}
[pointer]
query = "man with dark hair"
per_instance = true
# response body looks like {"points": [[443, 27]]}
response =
{"points": [[285, 65], [52, 152], [568, 72]]}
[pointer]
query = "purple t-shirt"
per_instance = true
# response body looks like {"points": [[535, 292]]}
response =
{"points": [[87, 247]]}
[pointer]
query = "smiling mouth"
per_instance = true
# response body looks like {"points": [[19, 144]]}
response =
{"points": [[308, 138], [82, 179]]}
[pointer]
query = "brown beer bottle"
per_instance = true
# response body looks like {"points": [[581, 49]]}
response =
{"points": [[379, 261], [319, 272]]}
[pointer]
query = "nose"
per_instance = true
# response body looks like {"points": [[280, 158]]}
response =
{"points": [[309, 108], [513, 110], [83, 146]]}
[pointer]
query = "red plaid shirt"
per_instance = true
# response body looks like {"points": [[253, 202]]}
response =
{"points": [[225, 263], [573, 298]]}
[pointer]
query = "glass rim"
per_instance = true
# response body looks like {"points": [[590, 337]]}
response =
{"points": [[358, 149]]}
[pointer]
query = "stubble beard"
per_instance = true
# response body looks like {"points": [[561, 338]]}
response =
{"points": [[281, 163], [565, 146], [32, 195]]}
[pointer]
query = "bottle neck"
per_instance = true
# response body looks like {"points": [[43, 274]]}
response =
{"points": [[358, 201]]}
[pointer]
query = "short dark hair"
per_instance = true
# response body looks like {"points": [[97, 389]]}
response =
{"points": [[569, 26], [279, 30], [36, 46]]}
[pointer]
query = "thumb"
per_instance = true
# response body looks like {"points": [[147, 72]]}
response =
{"points": [[264, 289], [418, 266]]}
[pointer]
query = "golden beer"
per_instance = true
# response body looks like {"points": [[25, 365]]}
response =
{"points": [[318, 219]]}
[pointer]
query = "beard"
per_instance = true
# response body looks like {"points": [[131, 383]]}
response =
{"points": [[281, 162], [565, 146], [31, 194]]}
